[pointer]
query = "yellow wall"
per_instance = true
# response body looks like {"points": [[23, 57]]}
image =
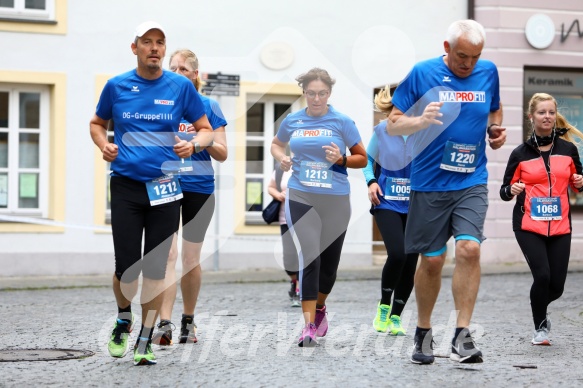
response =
{"points": [[100, 181], [60, 27]]}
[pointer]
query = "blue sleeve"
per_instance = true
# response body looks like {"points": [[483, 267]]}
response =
{"points": [[215, 115], [194, 109], [495, 104], [405, 95], [105, 105], [351, 134], [372, 151], [283, 134]]}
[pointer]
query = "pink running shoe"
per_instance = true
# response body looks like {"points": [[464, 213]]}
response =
{"points": [[321, 322], [308, 337]]}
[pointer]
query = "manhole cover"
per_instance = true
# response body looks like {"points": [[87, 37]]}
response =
{"points": [[13, 355]]}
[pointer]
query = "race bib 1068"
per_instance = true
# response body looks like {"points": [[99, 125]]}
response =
{"points": [[545, 209]]}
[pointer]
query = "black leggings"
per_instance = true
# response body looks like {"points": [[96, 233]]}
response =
{"points": [[399, 270], [548, 259], [197, 212], [131, 217], [319, 221], [290, 255]]}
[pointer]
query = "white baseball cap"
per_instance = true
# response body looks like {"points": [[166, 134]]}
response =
{"points": [[147, 26]]}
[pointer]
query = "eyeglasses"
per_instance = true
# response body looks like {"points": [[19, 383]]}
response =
{"points": [[322, 93]]}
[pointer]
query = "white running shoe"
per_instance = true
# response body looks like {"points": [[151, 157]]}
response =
{"points": [[541, 337]]}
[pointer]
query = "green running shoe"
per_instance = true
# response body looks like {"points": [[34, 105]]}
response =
{"points": [[395, 325], [143, 354], [381, 321], [118, 343]]}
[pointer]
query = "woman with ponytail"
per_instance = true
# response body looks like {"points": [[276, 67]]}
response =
{"points": [[538, 174]]}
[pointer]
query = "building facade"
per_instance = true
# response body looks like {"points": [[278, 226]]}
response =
{"points": [[58, 54]]}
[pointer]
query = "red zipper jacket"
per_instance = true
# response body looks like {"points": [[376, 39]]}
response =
{"points": [[527, 166]]}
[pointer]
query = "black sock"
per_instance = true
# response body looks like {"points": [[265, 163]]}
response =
{"points": [[319, 306], [397, 308], [456, 334], [386, 296], [142, 342], [188, 318], [125, 313], [421, 332], [145, 333]]}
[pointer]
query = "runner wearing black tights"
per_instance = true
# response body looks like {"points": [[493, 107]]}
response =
{"points": [[539, 173], [387, 175]]}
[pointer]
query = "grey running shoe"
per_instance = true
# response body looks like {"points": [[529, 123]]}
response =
{"points": [[295, 301], [294, 294], [423, 351], [188, 330], [163, 336], [541, 337], [464, 349]]}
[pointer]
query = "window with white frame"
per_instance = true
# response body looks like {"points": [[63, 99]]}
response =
{"points": [[264, 115], [24, 138], [41, 10]]}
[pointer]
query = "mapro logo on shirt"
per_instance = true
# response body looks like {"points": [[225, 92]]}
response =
{"points": [[164, 102], [460, 96], [312, 133]]}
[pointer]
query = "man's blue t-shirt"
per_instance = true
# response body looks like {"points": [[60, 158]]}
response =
{"points": [[202, 177], [146, 114], [451, 156], [306, 136]]}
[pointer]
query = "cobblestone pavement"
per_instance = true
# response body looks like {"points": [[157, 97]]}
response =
{"points": [[248, 333]]}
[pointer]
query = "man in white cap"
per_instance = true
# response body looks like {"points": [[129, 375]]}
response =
{"points": [[146, 106]]}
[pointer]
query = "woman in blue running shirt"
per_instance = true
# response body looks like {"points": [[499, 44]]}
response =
{"points": [[198, 184], [387, 176], [318, 199]]}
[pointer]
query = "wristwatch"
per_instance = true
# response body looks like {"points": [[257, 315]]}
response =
{"points": [[196, 147], [490, 128]]}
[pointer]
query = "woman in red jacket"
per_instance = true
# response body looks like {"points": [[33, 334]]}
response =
{"points": [[538, 173]]}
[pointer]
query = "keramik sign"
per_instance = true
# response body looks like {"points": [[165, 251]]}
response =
{"points": [[554, 82]]}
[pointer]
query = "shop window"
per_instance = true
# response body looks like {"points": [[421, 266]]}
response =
{"points": [[566, 85]]}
